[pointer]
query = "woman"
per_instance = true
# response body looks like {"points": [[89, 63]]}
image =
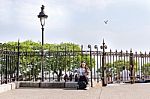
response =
{"points": [[83, 72]]}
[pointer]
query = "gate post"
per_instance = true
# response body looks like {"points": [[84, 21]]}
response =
{"points": [[104, 79], [6, 69], [89, 46], [18, 59], [81, 53], [97, 62], [131, 67], [1, 53]]}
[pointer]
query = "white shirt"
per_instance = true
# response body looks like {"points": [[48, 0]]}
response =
{"points": [[81, 71], [125, 75]]}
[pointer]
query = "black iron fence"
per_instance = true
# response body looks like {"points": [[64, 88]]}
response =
{"points": [[61, 65]]}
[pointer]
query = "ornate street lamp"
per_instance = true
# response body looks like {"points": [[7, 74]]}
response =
{"points": [[104, 79], [131, 66], [42, 17]]}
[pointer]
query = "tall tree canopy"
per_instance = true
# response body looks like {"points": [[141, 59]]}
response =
{"points": [[57, 57]]}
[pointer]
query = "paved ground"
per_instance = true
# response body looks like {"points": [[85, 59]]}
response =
{"points": [[126, 91], [123, 91]]}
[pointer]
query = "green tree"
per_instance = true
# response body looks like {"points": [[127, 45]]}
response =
{"points": [[57, 57], [146, 69]]}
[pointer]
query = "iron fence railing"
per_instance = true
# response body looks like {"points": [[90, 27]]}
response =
{"points": [[23, 65]]}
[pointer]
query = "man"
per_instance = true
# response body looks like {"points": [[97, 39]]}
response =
{"points": [[125, 75]]}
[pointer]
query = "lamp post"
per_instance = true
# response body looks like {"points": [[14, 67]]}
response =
{"points": [[131, 66], [42, 17], [104, 81]]}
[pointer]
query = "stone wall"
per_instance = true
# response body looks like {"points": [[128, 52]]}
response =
{"points": [[7, 87], [48, 84], [16, 85]]}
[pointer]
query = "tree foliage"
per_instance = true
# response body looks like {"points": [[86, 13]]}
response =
{"points": [[146, 69], [57, 57]]}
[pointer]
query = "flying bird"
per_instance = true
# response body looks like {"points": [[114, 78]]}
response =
{"points": [[106, 21]]}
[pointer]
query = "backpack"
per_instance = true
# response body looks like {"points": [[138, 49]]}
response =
{"points": [[82, 85]]}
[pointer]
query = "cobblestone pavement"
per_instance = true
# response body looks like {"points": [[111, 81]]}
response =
{"points": [[36, 93], [126, 91], [116, 91]]}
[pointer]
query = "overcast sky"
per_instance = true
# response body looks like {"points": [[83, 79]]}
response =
{"points": [[79, 21]]}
